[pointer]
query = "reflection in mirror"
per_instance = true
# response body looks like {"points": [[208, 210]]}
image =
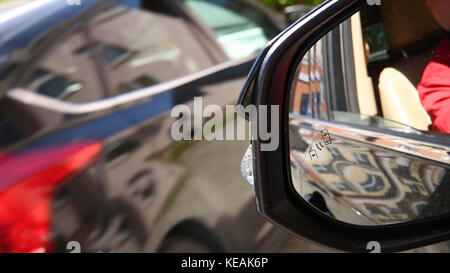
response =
{"points": [[365, 145]]}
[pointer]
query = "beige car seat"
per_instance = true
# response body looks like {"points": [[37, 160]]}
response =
{"points": [[400, 100]]}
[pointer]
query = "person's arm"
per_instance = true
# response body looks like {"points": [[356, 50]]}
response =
{"points": [[434, 88]]}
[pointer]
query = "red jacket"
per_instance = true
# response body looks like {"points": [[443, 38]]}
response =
{"points": [[434, 88]]}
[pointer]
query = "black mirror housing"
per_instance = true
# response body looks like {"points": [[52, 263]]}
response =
{"points": [[277, 200]]}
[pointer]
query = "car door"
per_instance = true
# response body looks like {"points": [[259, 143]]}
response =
{"points": [[99, 78], [183, 176]]}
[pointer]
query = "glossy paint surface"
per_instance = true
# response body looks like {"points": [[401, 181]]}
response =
{"points": [[143, 187]]}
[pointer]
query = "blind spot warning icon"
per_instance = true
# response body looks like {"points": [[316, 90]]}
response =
{"points": [[313, 154]]}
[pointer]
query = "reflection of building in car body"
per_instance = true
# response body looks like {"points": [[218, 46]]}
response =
{"points": [[148, 62]]}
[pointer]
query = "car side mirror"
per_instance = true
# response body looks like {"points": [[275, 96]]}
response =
{"points": [[343, 174]]}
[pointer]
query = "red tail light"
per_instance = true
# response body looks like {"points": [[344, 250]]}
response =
{"points": [[27, 184]]}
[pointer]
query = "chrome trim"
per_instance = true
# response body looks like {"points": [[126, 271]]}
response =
{"points": [[417, 148], [31, 98]]}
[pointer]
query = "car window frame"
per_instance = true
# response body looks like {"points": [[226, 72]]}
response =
{"points": [[198, 27], [210, 33]]}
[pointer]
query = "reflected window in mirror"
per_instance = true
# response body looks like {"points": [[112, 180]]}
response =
{"points": [[368, 110], [378, 63]]}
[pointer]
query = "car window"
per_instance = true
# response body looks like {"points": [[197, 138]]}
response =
{"points": [[240, 29], [401, 57], [380, 69]]}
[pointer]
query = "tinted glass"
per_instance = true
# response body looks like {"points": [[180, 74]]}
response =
{"points": [[240, 29]]}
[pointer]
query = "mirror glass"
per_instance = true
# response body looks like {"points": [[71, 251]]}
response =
{"points": [[369, 116]]}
